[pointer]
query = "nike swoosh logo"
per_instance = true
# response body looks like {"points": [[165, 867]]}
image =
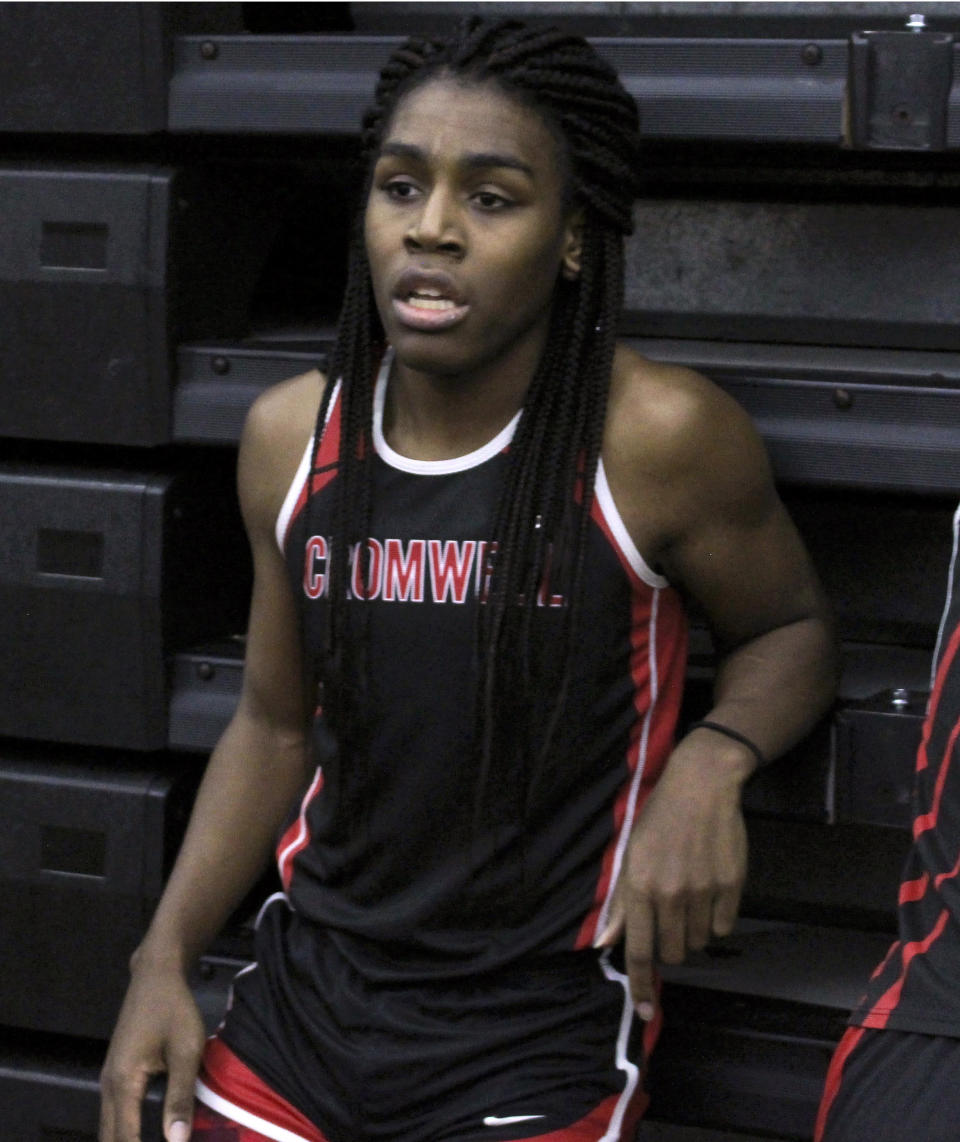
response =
{"points": [[493, 1120]]}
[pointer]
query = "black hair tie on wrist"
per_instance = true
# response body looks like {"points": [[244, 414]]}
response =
{"points": [[734, 734]]}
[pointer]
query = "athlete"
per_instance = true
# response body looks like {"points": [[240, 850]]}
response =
{"points": [[465, 657], [894, 1074]]}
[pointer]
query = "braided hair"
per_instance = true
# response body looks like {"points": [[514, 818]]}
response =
{"points": [[541, 521]]}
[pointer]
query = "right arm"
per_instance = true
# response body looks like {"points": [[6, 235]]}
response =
{"points": [[253, 776]]}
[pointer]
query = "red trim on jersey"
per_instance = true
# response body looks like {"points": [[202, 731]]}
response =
{"points": [[911, 890], [881, 966], [325, 457], [926, 821], [945, 663], [669, 640], [851, 1038], [226, 1076], [640, 615], [947, 875], [596, 514], [883, 1008], [297, 836]]}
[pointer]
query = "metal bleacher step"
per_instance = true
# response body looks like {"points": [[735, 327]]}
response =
{"points": [[732, 89], [218, 382], [688, 87]]}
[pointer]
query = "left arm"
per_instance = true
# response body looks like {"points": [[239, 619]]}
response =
{"points": [[720, 532]]}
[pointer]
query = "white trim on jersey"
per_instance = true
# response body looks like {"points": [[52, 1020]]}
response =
{"points": [[293, 494], [271, 899], [289, 504], [941, 633], [618, 530], [230, 993], [624, 1063], [244, 1117], [430, 467], [294, 846]]}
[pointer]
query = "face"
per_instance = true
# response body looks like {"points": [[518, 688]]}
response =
{"points": [[466, 231]]}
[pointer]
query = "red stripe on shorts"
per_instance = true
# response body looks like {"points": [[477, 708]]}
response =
{"points": [[851, 1038], [225, 1075]]}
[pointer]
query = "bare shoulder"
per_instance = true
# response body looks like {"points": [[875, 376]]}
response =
{"points": [[677, 446], [666, 417], [278, 428]]}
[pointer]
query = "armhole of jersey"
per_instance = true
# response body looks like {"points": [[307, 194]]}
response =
{"points": [[621, 536], [951, 586], [297, 487], [293, 495]]}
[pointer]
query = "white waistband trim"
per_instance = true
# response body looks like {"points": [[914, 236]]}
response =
{"points": [[244, 1117]]}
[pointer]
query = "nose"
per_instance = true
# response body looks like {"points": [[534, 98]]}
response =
{"points": [[435, 226]]}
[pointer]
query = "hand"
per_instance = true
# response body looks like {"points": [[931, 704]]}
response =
{"points": [[684, 866], [159, 1029]]}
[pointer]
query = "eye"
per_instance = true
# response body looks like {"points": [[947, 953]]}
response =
{"points": [[400, 189], [490, 200]]}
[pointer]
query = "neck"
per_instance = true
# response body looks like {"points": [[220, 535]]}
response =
{"points": [[440, 417]]}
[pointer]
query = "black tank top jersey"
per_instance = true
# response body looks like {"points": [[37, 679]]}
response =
{"points": [[917, 987], [411, 888]]}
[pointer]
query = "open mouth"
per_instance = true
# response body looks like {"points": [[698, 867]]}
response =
{"points": [[430, 300], [428, 309]]}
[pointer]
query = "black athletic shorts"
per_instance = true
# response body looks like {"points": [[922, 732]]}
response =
{"points": [[892, 1086], [549, 1049]]}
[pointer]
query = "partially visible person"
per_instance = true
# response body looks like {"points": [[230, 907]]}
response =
{"points": [[896, 1074]]}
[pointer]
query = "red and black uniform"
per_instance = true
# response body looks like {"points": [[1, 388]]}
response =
{"points": [[905, 1032], [419, 978]]}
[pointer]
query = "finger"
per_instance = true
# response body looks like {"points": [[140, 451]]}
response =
{"points": [[640, 935], [726, 905], [700, 914], [178, 1131], [126, 1097], [106, 1133], [178, 1101], [672, 929], [613, 930]]}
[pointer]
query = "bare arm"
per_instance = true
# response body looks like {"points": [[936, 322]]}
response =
{"points": [[253, 776], [722, 534]]}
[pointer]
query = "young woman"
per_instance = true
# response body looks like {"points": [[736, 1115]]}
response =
{"points": [[469, 543]]}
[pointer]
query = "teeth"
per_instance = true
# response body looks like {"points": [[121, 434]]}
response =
{"points": [[431, 302]]}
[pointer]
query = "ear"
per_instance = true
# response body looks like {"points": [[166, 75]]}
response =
{"points": [[572, 246]]}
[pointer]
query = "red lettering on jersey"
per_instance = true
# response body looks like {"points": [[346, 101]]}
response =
{"points": [[314, 577], [403, 574], [450, 567], [544, 598], [374, 571], [485, 554]]}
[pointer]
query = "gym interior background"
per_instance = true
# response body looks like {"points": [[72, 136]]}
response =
{"points": [[175, 184]]}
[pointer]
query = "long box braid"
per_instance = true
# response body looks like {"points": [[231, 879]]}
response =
{"points": [[542, 518]]}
